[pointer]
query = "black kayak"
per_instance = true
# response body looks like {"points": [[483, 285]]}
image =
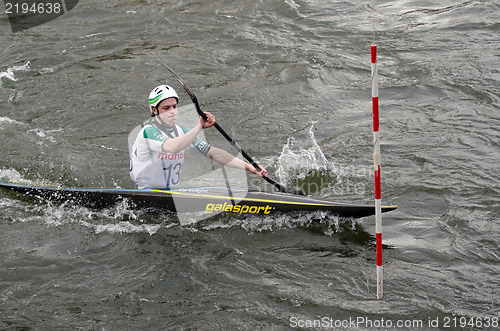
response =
{"points": [[209, 200]]}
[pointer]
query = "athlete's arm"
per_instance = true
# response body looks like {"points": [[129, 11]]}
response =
{"points": [[226, 159], [177, 144]]}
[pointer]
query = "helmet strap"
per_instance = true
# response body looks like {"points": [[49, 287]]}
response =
{"points": [[157, 116]]}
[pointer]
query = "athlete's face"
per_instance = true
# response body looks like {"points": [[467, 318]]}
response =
{"points": [[168, 111]]}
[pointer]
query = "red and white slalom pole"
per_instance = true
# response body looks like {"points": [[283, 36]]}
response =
{"points": [[376, 167]]}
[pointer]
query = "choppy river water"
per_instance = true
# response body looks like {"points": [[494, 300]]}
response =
{"points": [[289, 80]]}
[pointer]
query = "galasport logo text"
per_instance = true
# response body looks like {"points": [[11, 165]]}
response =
{"points": [[171, 156]]}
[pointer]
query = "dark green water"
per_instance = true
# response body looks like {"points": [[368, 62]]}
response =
{"points": [[289, 80]]}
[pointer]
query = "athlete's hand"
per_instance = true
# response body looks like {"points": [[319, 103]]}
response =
{"points": [[209, 122], [261, 173]]}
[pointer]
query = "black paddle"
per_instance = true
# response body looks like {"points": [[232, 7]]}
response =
{"points": [[279, 186]]}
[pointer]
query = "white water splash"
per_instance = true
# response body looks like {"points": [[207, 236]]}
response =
{"points": [[9, 73], [119, 219], [45, 135], [298, 161], [292, 4], [262, 223], [7, 120], [123, 227], [52, 215], [12, 176]]}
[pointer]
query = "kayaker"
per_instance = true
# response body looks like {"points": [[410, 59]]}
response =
{"points": [[157, 155]]}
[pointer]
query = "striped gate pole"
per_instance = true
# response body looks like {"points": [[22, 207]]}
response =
{"points": [[376, 167]]}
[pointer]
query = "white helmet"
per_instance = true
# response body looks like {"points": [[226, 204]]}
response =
{"points": [[160, 93]]}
